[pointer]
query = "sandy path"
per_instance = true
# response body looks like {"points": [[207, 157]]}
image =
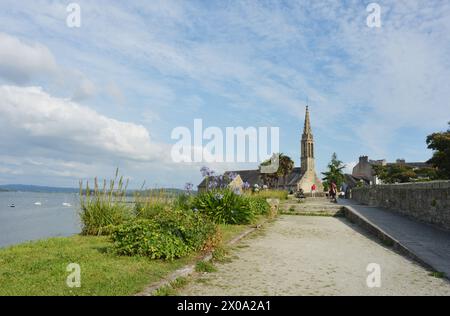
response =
{"points": [[301, 255]]}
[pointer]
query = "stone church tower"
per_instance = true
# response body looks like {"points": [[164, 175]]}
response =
{"points": [[307, 166]]}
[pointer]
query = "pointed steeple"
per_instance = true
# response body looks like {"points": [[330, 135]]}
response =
{"points": [[307, 128]]}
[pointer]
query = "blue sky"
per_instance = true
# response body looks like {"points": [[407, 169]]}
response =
{"points": [[77, 102]]}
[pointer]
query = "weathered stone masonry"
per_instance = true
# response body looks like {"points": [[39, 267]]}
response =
{"points": [[426, 201]]}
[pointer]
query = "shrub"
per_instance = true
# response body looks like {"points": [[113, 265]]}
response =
{"points": [[192, 227], [224, 207], [183, 202], [167, 235], [145, 237], [100, 209], [258, 205]]}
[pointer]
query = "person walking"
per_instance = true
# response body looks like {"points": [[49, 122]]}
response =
{"points": [[313, 190], [333, 191]]}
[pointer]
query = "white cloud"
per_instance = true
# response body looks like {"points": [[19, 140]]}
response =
{"points": [[20, 62], [71, 127]]}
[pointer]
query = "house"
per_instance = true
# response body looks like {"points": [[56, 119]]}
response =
{"points": [[363, 170]]}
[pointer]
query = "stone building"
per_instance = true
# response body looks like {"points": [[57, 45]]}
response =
{"points": [[302, 177], [363, 170]]}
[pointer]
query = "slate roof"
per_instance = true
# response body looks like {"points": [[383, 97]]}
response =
{"points": [[352, 181]]}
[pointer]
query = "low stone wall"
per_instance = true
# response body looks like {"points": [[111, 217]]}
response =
{"points": [[426, 201]]}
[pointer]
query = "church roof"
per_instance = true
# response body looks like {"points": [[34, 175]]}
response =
{"points": [[294, 177]]}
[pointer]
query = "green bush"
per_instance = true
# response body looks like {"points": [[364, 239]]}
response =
{"points": [[98, 216], [192, 227], [103, 208], [167, 235], [258, 205], [144, 237], [183, 202], [224, 207]]}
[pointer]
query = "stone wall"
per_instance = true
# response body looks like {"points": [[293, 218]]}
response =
{"points": [[426, 201]]}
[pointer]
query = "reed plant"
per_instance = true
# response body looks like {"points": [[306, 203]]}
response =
{"points": [[149, 203], [103, 207]]}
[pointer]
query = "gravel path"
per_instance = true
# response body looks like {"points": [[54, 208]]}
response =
{"points": [[308, 255]]}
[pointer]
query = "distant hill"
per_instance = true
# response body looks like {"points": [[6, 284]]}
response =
{"points": [[36, 188], [163, 191], [45, 189]]}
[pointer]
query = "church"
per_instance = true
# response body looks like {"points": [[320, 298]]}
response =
{"points": [[302, 177]]}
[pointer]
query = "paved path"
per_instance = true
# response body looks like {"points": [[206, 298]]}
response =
{"points": [[314, 255], [430, 244]]}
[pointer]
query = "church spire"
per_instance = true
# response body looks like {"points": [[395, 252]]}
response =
{"points": [[307, 128], [307, 145]]}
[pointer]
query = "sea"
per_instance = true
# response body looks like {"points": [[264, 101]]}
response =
{"points": [[37, 216]]}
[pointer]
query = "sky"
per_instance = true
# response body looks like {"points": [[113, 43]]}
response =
{"points": [[77, 102]]}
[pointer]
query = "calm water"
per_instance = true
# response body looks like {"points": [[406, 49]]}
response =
{"points": [[28, 221]]}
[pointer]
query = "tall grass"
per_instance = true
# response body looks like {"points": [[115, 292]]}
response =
{"points": [[147, 204], [103, 207], [271, 194]]}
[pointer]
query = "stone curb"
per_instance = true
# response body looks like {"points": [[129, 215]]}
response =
{"points": [[355, 217], [189, 269]]}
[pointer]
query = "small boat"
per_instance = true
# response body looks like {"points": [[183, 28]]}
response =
{"points": [[11, 205], [67, 204], [37, 203]]}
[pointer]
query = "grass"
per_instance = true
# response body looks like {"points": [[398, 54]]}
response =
{"points": [[387, 242], [39, 268], [171, 289], [437, 274], [205, 266], [272, 194], [220, 254], [230, 231]]}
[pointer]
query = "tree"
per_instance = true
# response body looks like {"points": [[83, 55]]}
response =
{"points": [[394, 173], [400, 173], [285, 166], [440, 144], [334, 173]]}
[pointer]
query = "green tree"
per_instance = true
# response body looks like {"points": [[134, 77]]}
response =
{"points": [[440, 144], [394, 173], [334, 173], [285, 166], [427, 173]]}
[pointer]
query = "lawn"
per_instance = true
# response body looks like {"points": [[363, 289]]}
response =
{"points": [[39, 268]]}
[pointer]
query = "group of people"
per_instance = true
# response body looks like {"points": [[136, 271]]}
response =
{"points": [[332, 191]]}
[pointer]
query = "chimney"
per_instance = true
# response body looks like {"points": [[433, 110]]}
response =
{"points": [[364, 159]]}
